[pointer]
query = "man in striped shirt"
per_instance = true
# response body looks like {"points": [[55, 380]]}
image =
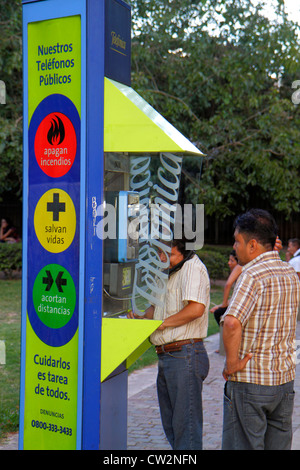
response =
{"points": [[183, 362], [259, 340]]}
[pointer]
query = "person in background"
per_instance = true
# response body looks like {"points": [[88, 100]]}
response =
{"points": [[235, 268], [183, 362], [259, 330]]}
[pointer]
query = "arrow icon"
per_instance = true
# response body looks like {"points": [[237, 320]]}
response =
{"points": [[48, 280], [60, 282]]}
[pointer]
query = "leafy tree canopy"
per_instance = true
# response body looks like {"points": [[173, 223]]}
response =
{"points": [[11, 113], [221, 72]]}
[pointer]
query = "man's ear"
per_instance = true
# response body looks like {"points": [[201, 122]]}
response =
{"points": [[252, 245]]}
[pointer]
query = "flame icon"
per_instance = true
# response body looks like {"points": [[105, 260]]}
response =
{"points": [[56, 133]]}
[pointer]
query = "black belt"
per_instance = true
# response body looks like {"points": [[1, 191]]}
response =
{"points": [[176, 346]]}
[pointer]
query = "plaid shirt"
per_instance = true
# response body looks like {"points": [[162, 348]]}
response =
{"points": [[265, 300]]}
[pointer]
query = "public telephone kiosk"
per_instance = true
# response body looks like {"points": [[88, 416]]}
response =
{"points": [[100, 197]]}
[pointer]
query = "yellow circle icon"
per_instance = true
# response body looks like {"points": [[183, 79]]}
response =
{"points": [[55, 220]]}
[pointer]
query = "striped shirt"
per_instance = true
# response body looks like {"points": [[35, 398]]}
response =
{"points": [[265, 301], [190, 283]]}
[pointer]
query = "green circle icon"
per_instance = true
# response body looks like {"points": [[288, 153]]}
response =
{"points": [[54, 296]]}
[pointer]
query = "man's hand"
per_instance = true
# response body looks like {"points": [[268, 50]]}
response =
{"points": [[133, 315], [148, 314], [232, 334], [278, 244]]}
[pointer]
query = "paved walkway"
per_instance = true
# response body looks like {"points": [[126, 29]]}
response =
{"points": [[144, 426]]}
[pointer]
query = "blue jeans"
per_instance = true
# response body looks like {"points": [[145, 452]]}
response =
{"points": [[179, 387], [257, 417]]}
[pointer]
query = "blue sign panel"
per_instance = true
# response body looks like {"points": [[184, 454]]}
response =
{"points": [[54, 58], [118, 41]]}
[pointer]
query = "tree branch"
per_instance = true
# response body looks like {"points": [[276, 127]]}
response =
{"points": [[176, 99]]}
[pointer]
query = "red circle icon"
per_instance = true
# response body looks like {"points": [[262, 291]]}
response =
{"points": [[55, 145]]}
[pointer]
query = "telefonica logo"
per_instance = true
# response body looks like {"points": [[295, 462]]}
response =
{"points": [[2, 352], [297, 352], [2, 92], [117, 41]]}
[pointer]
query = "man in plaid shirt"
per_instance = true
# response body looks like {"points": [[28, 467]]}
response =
{"points": [[259, 339]]}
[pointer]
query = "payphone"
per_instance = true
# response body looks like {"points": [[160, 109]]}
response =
{"points": [[121, 211], [124, 164], [121, 247], [126, 205]]}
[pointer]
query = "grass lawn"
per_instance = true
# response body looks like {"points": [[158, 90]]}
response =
{"points": [[10, 332]]}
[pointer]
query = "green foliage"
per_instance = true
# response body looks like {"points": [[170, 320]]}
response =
{"points": [[10, 258], [221, 73], [11, 113], [10, 320]]}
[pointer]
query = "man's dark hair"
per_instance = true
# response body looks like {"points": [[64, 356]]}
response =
{"points": [[187, 254], [295, 241], [258, 224], [180, 245]]}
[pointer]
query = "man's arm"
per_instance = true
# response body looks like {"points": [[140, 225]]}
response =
{"points": [[232, 335], [149, 313], [187, 314]]}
